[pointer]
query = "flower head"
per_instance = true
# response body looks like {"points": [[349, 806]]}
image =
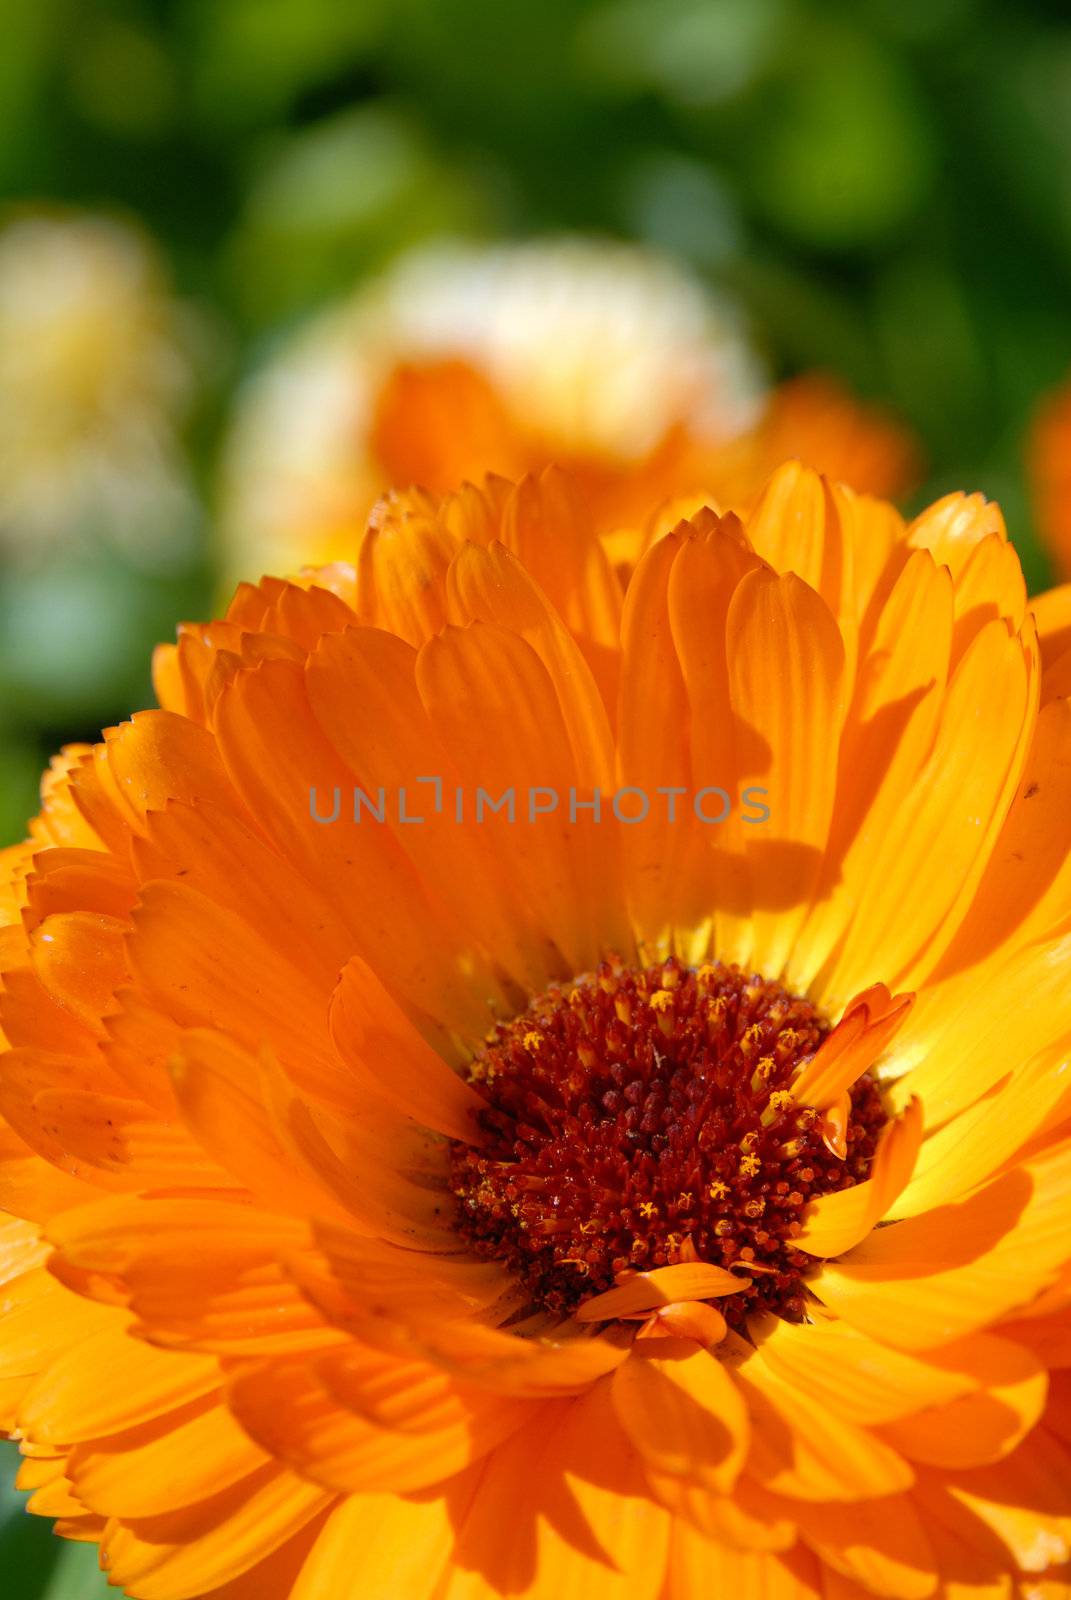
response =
{"points": [[606, 358], [408, 1198], [95, 371]]}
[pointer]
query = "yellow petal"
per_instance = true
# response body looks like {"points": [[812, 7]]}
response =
{"points": [[561, 1512], [683, 1412], [977, 1143], [381, 1546], [700, 1565], [384, 1050], [932, 1278], [982, 1427], [787, 689], [201, 1547], [852, 1374], [153, 1469], [1023, 1499], [837, 1222], [879, 1543], [298, 1413], [686, 1280], [802, 1449], [110, 1381]]}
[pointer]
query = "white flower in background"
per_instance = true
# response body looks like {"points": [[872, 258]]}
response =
{"points": [[464, 359], [600, 347], [95, 375]]}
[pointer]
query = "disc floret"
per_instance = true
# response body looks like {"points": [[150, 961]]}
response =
{"points": [[639, 1117]]}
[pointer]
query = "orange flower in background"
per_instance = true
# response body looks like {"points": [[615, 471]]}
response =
{"points": [[1049, 463], [511, 1202], [605, 358]]}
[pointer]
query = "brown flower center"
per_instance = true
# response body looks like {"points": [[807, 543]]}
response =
{"points": [[642, 1117]]}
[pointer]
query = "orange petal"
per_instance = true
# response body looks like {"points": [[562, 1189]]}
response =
{"points": [[985, 1426], [202, 1272], [207, 969], [384, 1050], [402, 562], [990, 585], [363, 692], [977, 1143], [888, 736], [700, 1565], [691, 1319], [932, 1278], [297, 1416], [206, 1545], [157, 757], [494, 703], [653, 750], [210, 850], [939, 838], [954, 1047], [1052, 613], [802, 1449], [438, 422], [1026, 890], [686, 1280], [80, 958], [385, 1544], [1023, 1500], [879, 1543], [108, 1382], [683, 1412], [837, 1222], [855, 1376], [787, 688], [705, 868], [546, 524], [868, 1023], [561, 1514], [156, 1468], [274, 751], [537, 1367], [952, 527], [216, 1085]]}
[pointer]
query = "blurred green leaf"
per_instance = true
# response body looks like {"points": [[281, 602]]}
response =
{"points": [[30, 34], [75, 1575], [20, 775], [77, 633], [342, 195], [123, 79], [255, 56], [938, 381], [35, 1564], [682, 205], [840, 155], [695, 52]]}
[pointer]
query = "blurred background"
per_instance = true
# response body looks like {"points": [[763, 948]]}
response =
{"points": [[883, 187]]}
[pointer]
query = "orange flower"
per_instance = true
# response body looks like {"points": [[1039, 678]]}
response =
{"points": [[604, 358], [500, 1204], [1049, 463]]}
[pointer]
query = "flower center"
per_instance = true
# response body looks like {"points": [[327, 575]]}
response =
{"points": [[638, 1118]]}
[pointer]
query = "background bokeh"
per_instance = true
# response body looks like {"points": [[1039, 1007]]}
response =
{"points": [[884, 185]]}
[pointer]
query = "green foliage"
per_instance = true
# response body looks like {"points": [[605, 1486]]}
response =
{"points": [[35, 1565]]}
